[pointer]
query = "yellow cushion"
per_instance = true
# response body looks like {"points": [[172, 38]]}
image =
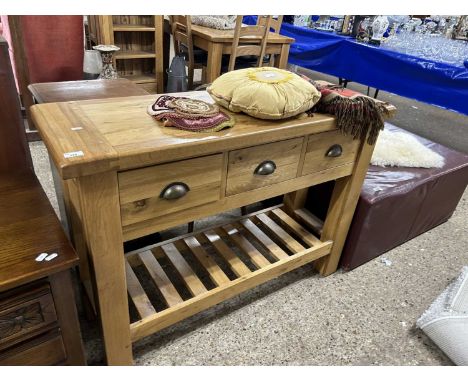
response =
{"points": [[266, 93]]}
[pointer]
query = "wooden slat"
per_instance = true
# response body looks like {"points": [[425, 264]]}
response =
{"points": [[169, 293], [285, 237], [296, 227], [138, 295], [247, 247], [309, 219], [197, 232], [190, 307], [238, 267], [216, 273], [269, 244], [192, 281]]}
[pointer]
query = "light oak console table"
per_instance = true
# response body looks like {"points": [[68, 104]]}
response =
{"points": [[124, 176]]}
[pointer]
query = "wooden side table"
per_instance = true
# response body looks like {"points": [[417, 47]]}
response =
{"points": [[218, 42], [66, 91], [120, 163], [81, 90]]}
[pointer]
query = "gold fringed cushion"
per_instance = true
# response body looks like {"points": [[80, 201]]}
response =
{"points": [[266, 93]]}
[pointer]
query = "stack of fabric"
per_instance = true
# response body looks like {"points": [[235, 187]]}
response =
{"points": [[189, 114]]}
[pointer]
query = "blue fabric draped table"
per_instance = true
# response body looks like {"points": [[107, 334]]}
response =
{"points": [[424, 80]]}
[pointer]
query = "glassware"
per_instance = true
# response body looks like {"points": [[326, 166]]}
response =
{"points": [[92, 64], [434, 47], [379, 27]]}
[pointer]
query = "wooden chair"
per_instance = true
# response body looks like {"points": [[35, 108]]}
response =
{"points": [[275, 27], [275, 23], [255, 47], [181, 28], [259, 35]]}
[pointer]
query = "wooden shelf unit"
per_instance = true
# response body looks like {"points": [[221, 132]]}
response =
{"points": [[178, 278], [133, 28], [140, 39]]}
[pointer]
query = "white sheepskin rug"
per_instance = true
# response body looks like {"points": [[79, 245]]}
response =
{"points": [[403, 150]]}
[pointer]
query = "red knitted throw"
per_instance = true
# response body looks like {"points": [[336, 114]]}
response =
{"points": [[356, 114]]}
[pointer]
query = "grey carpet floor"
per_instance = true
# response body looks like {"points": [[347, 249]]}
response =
{"points": [[363, 317]]}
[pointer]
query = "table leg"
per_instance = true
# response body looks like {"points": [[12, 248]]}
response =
{"points": [[64, 298], [341, 210], [215, 56], [281, 60], [100, 213], [61, 193], [81, 248], [295, 200]]}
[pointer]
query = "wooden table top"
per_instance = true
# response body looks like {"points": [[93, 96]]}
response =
{"points": [[28, 227], [83, 90], [226, 35], [117, 134]]}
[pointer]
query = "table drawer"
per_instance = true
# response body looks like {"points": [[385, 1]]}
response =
{"points": [[327, 150], [25, 314], [194, 182], [46, 350], [246, 165]]}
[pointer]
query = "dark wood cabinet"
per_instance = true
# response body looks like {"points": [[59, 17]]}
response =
{"points": [[38, 316]]}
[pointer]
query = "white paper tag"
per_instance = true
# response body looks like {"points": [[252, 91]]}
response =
{"points": [[76, 128], [51, 256], [73, 154], [42, 256]]}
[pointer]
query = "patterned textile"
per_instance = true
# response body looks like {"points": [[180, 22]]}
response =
{"points": [[189, 114], [358, 115], [215, 22]]}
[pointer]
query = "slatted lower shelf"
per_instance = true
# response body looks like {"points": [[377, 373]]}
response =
{"points": [[178, 278]]}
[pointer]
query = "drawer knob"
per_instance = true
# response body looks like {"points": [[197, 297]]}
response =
{"points": [[334, 151], [174, 191], [265, 168]]}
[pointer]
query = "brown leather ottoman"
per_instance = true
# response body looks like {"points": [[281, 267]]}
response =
{"points": [[399, 203]]}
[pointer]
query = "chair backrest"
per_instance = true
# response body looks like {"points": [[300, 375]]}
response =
{"points": [[254, 41], [14, 149], [275, 23], [181, 29]]}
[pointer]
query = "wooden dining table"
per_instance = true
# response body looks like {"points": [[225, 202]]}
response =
{"points": [[218, 42]]}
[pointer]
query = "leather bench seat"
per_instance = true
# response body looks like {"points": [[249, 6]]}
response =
{"points": [[399, 203]]}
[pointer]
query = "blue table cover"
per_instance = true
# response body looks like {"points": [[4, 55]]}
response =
{"points": [[408, 76]]}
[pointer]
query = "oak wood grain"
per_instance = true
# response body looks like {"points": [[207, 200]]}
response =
{"points": [[188, 308], [216, 273], [318, 146], [119, 134], [192, 281], [243, 162], [64, 91], [140, 189], [28, 227], [227, 35], [100, 213], [168, 291], [137, 293], [235, 201]]}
